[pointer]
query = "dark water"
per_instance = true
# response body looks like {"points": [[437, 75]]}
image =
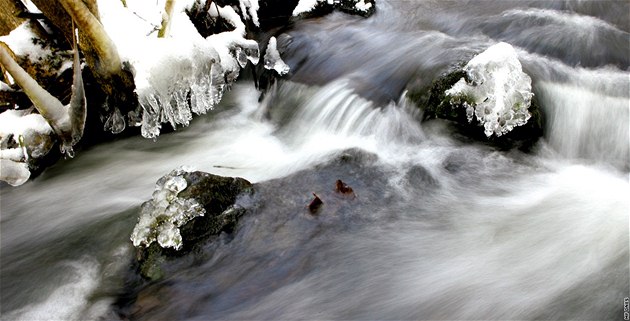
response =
{"points": [[439, 229]]}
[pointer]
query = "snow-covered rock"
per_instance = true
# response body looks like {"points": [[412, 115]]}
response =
{"points": [[497, 92]]}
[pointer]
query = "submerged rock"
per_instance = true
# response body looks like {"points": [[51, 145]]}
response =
{"points": [[278, 241], [186, 208], [490, 99]]}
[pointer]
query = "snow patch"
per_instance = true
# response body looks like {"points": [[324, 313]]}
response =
{"points": [[162, 216], [20, 40], [499, 92], [250, 7], [20, 122], [363, 6], [305, 6]]}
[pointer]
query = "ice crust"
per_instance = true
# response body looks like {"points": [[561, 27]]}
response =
{"points": [[163, 215], [499, 92], [273, 61]]}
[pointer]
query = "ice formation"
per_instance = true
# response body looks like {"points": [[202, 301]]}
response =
{"points": [[182, 74], [499, 92], [273, 61], [162, 216]]}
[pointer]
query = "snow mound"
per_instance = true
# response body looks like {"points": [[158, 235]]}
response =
{"points": [[498, 92], [162, 216]]}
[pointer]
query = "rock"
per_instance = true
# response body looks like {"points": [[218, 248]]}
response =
{"points": [[275, 242], [436, 102], [187, 208]]}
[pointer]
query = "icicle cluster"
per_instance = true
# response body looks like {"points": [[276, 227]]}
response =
{"points": [[162, 216], [499, 92], [174, 94], [190, 75]]}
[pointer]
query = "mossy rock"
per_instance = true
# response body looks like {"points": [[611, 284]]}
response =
{"points": [[435, 104]]}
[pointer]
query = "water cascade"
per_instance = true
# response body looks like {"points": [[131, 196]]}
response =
{"points": [[441, 226]]}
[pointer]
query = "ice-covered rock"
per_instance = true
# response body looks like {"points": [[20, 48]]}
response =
{"points": [[497, 92], [162, 216], [273, 61], [186, 208]]}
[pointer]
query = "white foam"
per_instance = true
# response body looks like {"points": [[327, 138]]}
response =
{"points": [[67, 301]]}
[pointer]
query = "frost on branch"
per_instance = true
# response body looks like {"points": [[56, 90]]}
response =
{"points": [[163, 215], [498, 93]]}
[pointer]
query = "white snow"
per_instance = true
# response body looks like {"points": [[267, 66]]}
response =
{"points": [[14, 154], [500, 91], [20, 126], [20, 122], [20, 40], [249, 8], [14, 173], [363, 6], [162, 216], [273, 61], [305, 6]]}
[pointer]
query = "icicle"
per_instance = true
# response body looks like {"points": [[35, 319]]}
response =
{"points": [[67, 150], [150, 125], [217, 84], [116, 122], [241, 57]]}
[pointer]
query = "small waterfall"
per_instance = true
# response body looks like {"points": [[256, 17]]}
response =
{"points": [[337, 110], [586, 124]]}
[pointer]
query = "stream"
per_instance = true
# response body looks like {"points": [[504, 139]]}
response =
{"points": [[441, 228]]}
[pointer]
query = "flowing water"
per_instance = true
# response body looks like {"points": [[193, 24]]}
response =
{"points": [[440, 228]]}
